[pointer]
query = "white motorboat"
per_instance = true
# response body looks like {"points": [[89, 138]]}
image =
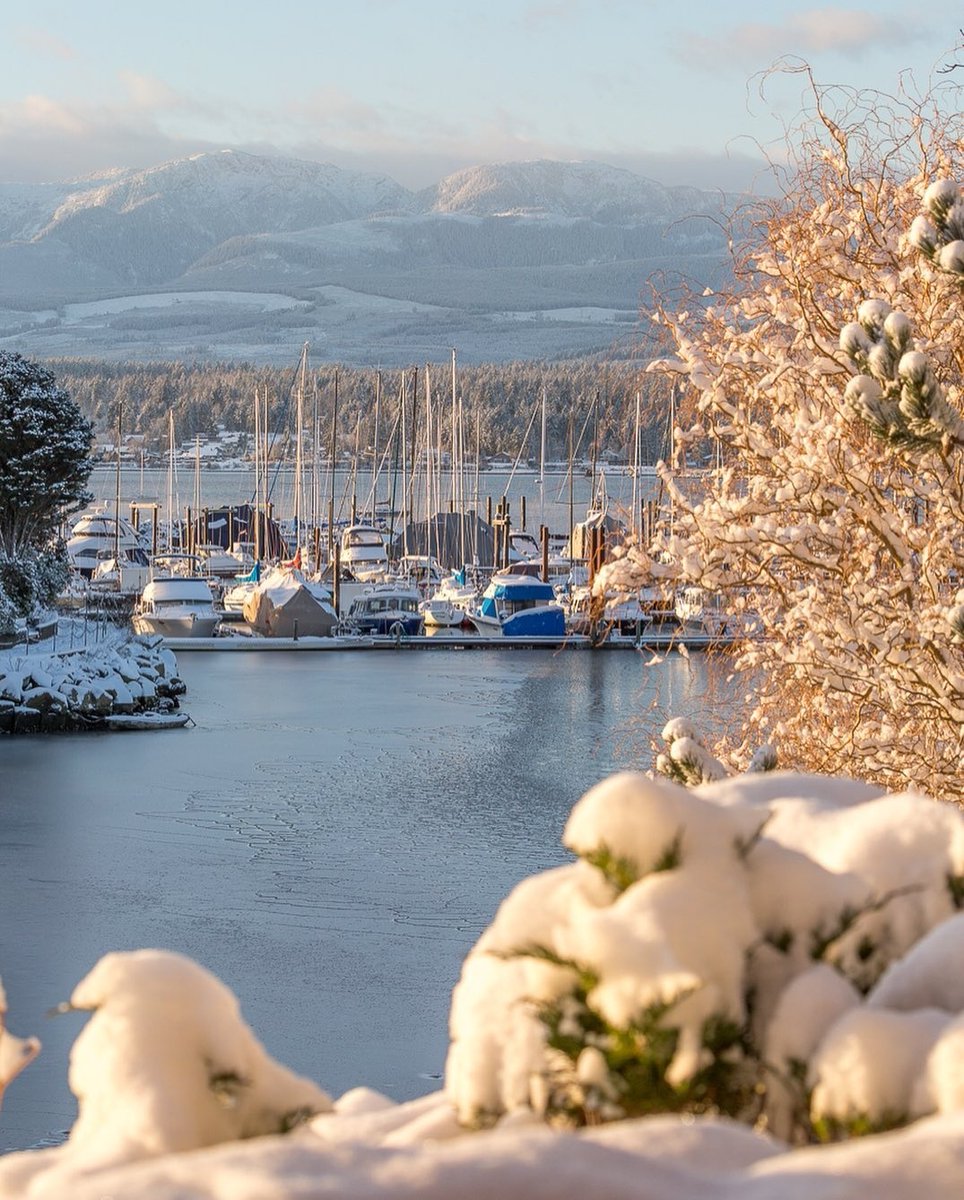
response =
{"points": [[176, 606], [449, 605], [363, 552], [96, 536]]}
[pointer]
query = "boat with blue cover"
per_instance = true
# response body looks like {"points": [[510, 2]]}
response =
{"points": [[519, 606]]}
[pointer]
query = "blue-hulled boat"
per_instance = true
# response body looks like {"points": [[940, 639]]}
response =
{"points": [[519, 606], [387, 608]]}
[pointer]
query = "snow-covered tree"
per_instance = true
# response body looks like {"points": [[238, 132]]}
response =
{"points": [[772, 947], [44, 455], [828, 380]]}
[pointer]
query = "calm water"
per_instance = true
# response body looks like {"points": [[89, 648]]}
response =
{"points": [[330, 840]]}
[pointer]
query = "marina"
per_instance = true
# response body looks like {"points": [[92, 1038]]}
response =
{"points": [[393, 578]]}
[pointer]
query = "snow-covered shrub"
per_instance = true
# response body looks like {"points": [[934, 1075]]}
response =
{"points": [[15, 1053], [52, 573], [735, 948], [686, 759], [166, 1063]]}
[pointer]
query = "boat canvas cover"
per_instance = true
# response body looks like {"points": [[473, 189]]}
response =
{"points": [[613, 530], [284, 606], [222, 526], [516, 589], [451, 538]]}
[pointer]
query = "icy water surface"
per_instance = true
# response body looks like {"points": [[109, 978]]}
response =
{"points": [[330, 840]]}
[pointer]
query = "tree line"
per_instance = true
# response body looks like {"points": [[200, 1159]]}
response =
{"points": [[589, 404]]}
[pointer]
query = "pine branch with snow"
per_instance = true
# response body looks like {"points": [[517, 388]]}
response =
{"points": [[15, 1053], [167, 1064]]}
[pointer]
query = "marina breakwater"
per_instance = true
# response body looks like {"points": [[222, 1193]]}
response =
{"points": [[130, 683]]}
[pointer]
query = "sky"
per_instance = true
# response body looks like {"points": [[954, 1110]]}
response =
{"points": [[417, 89]]}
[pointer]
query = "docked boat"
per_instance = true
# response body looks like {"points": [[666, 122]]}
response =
{"points": [[176, 606], [438, 612], [285, 604], [236, 594], [519, 606], [220, 563], [449, 605], [363, 552], [97, 536], [708, 613], [389, 608]]}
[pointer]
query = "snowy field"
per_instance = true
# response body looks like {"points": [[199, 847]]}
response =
{"points": [[266, 301], [343, 324]]}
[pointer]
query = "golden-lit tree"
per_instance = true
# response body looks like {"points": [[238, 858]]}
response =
{"points": [[829, 379]]}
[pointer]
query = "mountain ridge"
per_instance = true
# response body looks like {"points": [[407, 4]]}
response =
{"points": [[497, 238]]}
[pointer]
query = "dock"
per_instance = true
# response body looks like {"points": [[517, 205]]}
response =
{"points": [[650, 640]]}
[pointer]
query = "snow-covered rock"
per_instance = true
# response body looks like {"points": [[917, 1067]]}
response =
{"points": [[77, 688]]}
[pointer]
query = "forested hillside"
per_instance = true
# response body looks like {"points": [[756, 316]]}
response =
{"points": [[499, 402]]}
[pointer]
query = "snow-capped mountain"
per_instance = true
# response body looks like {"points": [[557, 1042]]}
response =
{"points": [[511, 238], [588, 190]]}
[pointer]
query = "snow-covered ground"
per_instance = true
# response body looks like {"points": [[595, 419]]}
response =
{"points": [[780, 948], [265, 301]]}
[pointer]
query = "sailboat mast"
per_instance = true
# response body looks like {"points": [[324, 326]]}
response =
{"points": [[197, 490], [542, 462], [635, 524], [117, 495], [170, 479], [299, 456], [333, 454], [373, 496], [456, 499]]}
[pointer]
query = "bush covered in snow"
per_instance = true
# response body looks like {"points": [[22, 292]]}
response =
{"points": [[33, 579], [772, 948], [783, 949], [8, 612]]}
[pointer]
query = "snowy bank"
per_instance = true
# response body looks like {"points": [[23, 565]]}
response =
{"points": [[87, 688], [754, 987]]}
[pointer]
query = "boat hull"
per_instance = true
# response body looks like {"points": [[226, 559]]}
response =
{"points": [[533, 622], [183, 625], [389, 624]]}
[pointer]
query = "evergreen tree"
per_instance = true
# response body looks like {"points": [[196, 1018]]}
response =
{"points": [[44, 456]]}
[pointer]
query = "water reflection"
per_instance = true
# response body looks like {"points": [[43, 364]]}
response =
{"points": [[330, 839]]}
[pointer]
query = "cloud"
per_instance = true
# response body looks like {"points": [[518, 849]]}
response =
{"points": [[44, 140], [535, 16], [853, 33], [150, 93], [331, 108], [40, 41]]}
